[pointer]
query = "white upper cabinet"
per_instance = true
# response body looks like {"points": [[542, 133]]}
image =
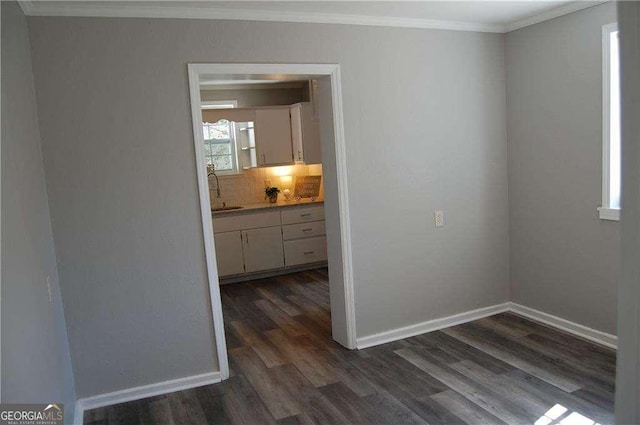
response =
{"points": [[280, 135], [305, 131], [273, 136]]}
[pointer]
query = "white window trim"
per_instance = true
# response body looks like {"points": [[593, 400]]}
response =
{"points": [[223, 104], [606, 212], [218, 104]]}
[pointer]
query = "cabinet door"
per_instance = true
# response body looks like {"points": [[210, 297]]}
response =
{"points": [[305, 133], [311, 142], [229, 253], [263, 249], [296, 133], [273, 137]]}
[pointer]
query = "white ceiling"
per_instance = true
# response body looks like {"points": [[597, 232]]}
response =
{"points": [[479, 15]]}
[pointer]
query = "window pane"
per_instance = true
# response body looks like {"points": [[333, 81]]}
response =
{"points": [[220, 148], [614, 122], [220, 130], [219, 144], [217, 131], [206, 131], [223, 163]]}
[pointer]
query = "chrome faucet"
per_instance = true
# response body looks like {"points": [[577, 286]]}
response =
{"points": [[212, 172]]}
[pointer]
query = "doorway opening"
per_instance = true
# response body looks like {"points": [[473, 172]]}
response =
{"points": [[282, 248]]}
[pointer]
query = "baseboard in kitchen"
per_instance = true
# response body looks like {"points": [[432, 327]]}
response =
{"points": [[271, 273]]}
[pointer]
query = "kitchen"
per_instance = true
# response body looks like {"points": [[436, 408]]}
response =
{"points": [[263, 139], [263, 154]]}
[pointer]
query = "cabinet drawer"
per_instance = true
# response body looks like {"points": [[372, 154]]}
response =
{"points": [[303, 251], [303, 230], [246, 221], [302, 215]]}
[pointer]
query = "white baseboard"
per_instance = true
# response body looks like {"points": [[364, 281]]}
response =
{"points": [[429, 326], [585, 332], [137, 393], [78, 413], [165, 387], [261, 275], [590, 334]]}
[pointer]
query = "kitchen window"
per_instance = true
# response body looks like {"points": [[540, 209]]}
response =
{"points": [[219, 140], [611, 156]]}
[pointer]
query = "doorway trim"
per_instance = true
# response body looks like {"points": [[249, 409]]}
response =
{"points": [[226, 70]]}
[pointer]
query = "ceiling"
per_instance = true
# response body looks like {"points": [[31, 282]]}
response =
{"points": [[479, 15]]}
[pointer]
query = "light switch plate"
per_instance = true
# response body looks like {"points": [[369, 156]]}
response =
{"points": [[438, 218]]}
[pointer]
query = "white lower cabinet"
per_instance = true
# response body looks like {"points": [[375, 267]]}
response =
{"points": [[304, 251], [303, 230], [273, 240], [302, 215], [248, 243], [229, 253], [262, 249], [304, 241]]}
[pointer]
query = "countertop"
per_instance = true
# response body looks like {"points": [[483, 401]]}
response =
{"points": [[267, 206]]}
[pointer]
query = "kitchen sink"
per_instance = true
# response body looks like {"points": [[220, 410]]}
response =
{"points": [[229, 208]]}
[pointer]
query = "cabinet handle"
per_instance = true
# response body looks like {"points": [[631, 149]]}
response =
{"points": [[264, 158], [299, 155], [246, 238], [307, 230], [309, 252], [305, 215]]}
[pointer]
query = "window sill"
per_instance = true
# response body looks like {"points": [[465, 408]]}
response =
{"points": [[612, 214], [223, 174]]}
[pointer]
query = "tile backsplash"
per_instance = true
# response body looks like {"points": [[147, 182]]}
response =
{"points": [[248, 187]]}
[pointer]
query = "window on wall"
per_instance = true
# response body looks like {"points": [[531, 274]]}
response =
{"points": [[611, 158], [219, 140]]}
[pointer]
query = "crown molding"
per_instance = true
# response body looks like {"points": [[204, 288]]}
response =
{"points": [[26, 6], [103, 10], [553, 13], [125, 11]]}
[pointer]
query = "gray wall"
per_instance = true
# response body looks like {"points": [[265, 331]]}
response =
{"points": [[122, 181], [36, 366], [628, 367], [564, 260]]}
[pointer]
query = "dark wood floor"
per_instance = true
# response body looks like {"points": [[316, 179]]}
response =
{"points": [[287, 370]]}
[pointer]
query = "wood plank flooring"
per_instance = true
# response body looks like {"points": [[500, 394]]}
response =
{"points": [[285, 369]]}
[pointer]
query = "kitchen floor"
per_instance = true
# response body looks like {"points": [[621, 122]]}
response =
{"points": [[285, 369]]}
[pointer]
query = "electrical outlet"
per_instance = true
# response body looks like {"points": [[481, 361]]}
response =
{"points": [[49, 289], [438, 218]]}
